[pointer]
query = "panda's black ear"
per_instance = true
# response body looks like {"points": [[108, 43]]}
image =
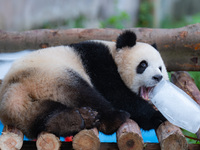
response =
{"points": [[126, 39], [154, 45]]}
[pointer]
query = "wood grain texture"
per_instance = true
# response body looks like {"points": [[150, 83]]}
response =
{"points": [[86, 140], [47, 141], [179, 47], [171, 137], [11, 138], [129, 136]]}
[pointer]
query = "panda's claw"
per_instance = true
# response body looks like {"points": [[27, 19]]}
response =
{"points": [[89, 116]]}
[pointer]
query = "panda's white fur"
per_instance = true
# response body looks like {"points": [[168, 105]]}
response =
{"points": [[39, 65], [65, 89]]}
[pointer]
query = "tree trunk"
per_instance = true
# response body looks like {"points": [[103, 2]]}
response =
{"points": [[180, 47]]}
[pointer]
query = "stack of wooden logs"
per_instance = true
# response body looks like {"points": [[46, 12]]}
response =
{"points": [[128, 138], [128, 135]]}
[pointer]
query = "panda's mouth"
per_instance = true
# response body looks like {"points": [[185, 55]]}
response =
{"points": [[144, 92]]}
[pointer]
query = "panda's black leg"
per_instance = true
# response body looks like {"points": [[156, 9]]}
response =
{"points": [[110, 118], [158, 119], [77, 92], [56, 118], [146, 116]]}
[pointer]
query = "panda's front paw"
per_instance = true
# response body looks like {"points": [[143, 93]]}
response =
{"points": [[89, 116], [110, 121], [158, 118]]}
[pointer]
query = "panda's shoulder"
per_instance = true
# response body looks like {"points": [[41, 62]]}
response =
{"points": [[91, 45]]}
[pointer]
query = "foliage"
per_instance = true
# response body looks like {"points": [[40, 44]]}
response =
{"points": [[168, 23], [145, 18], [116, 21], [196, 76], [189, 140], [72, 23], [78, 22]]}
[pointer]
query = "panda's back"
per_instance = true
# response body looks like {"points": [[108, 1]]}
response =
{"points": [[49, 60], [41, 72]]}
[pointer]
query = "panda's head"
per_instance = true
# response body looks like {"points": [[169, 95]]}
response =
{"points": [[139, 64]]}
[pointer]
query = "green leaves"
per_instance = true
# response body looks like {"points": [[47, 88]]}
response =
{"points": [[116, 21]]}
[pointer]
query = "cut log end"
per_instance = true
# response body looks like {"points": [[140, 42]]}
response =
{"points": [[11, 138], [171, 137], [129, 136], [174, 142], [48, 141], [86, 140], [129, 141]]}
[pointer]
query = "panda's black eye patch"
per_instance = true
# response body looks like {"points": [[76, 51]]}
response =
{"points": [[142, 66], [160, 68]]}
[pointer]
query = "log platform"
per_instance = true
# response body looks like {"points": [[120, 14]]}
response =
{"points": [[128, 138], [30, 145]]}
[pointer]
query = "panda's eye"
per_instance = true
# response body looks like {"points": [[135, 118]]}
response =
{"points": [[142, 66], [160, 68]]}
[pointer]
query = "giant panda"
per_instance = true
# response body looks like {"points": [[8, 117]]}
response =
{"points": [[65, 89]]}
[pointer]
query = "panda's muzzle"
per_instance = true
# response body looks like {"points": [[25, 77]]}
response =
{"points": [[157, 78], [144, 92]]}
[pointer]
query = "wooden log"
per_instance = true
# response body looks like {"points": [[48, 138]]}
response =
{"points": [[184, 81], [151, 146], [47, 141], [86, 140], [198, 134], [11, 138], [179, 47], [129, 136], [31, 145], [171, 137]]}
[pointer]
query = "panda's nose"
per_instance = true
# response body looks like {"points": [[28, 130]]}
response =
{"points": [[157, 77]]}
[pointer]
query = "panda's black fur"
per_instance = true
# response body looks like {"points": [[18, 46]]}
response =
{"points": [[104, 103], [105, 77], [127, 40]]}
